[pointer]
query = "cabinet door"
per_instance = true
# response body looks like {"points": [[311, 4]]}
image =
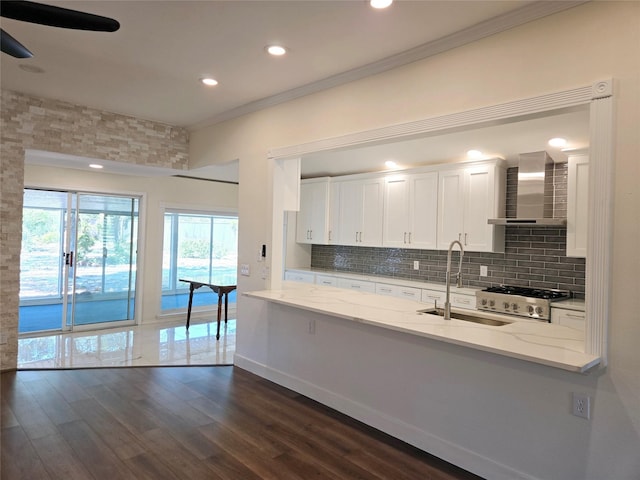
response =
{"points": [[303, 217], [396, 211], [478, 208], [350, 216], [450, 207], [311, 226], [333, 232], [577, 205], [372, 208], [423, 208]]}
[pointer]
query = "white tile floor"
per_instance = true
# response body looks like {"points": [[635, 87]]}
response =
{"points": [[159, 344]]}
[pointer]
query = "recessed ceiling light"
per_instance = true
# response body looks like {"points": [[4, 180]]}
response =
{"points": [[96, 166], [380, 3], [558, 142], [210, 82], [475, 154], [390, 164], [276, 50]]}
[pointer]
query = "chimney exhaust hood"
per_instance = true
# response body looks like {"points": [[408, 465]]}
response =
{"points": [[530, 206]]}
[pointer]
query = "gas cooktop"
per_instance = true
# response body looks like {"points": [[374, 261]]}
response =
{"points": [[534, 303]]}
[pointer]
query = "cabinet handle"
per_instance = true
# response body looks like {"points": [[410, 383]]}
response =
{"points": [[573, 315], [329, 235], [405, 237], [356, 237], [409, 237], [465, 239], [310, 234], [459, 237]]}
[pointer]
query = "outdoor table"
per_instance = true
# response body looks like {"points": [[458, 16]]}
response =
{"points": [[219, 289]]}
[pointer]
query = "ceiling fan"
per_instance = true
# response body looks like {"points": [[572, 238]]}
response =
{"points": [[48, 15]]}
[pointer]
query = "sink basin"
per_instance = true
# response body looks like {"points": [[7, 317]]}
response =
{"points": [[467, 317]]}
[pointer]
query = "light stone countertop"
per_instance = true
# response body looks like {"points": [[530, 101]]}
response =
{"points": [[542, 343]]}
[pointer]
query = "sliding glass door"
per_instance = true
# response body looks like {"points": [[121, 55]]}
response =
{"points": [[78, 260]]}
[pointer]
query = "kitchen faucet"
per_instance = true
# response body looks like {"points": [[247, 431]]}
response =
{"points": [[447, 303]]}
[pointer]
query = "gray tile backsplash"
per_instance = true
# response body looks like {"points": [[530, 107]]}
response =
{"points": [[533, 257]]}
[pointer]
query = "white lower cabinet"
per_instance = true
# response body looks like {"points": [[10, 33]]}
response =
{"points": [[360, 285], [410, 293], [569, 318]]}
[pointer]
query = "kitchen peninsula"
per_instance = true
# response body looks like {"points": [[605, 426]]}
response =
{"points": [[532, 341]]}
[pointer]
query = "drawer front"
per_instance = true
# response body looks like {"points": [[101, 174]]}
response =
{"points": [[397, 291], [463, 301], [433, 296], [384, 289], [299, 277], [568, 318], [410, 293], [326, 280], [359, 285]]}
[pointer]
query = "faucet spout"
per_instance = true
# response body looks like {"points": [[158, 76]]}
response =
{"points": [[447, 303]]}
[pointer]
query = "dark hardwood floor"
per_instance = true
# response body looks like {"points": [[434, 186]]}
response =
{"points": [[189, 423]]}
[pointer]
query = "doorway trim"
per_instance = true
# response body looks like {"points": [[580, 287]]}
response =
{"points": [[598, 97]]}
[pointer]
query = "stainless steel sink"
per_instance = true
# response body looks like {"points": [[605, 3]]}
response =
{"points": [[467, 317]]}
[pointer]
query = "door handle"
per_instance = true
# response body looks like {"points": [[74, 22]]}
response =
{"points": [[68, 259]]}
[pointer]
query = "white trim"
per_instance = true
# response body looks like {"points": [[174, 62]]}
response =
{"points": [[528, 13], [491, 114], [600, 223], [421, 439], [599, 96]]}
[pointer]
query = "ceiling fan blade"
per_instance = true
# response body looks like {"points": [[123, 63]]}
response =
{"points": [[13, 47], [56, 16]]}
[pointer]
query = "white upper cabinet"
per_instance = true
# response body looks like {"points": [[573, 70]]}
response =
{"points": [[313, 217], [334, 213], [467, 199], [577, 205], [410, 210], [360, 212]]}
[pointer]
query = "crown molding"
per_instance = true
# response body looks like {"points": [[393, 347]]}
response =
{"points": [[501, 23]]}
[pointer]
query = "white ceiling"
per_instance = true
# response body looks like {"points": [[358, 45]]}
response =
{"points": [[151, 66]]}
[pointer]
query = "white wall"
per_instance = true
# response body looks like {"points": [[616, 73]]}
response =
{"points": [[532, 431], [158, 193]]}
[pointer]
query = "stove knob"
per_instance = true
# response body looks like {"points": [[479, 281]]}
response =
{"points": [[514, 306], [484, 301], [530, 309], [506, 305], [539, 310], [492, 303]]}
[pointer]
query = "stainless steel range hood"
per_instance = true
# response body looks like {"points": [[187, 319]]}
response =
{"points": [[530, 206]]}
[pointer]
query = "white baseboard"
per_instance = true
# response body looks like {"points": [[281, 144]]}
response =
{"points": [[452, 453]]}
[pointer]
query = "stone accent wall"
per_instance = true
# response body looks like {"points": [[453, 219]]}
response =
{"points": [[50, 125], [534, 256]]}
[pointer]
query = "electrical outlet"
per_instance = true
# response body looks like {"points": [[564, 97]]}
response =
{"points": [[483, 271], [416, 265], [581, 405], [312, 327], [244, 269]]}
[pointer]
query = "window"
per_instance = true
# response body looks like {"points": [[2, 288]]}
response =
{"points": [[198, 246]]}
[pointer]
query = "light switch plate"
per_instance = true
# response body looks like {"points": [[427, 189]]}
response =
{"points": [[244, 269]]}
